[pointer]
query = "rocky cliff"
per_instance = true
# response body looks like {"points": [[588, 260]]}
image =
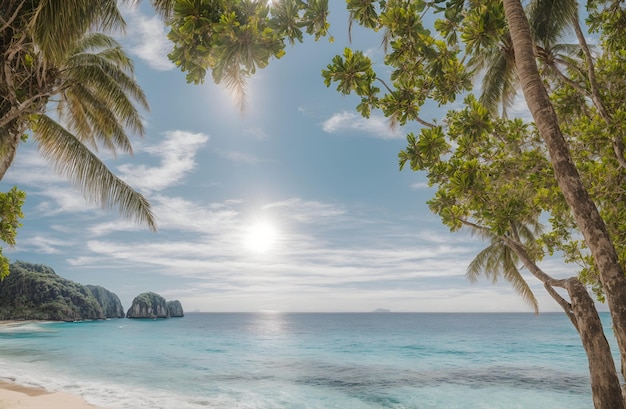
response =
{"points": [[148, 305], [109, 301], [151, 305], [175, 308], [33, 291]]}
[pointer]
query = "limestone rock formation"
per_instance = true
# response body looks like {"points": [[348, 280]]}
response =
{"points": [[109, 301], [148, 305], [33, 291], [175, 308]]}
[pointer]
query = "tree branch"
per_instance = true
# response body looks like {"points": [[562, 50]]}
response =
{"points": [[8, 23], [566, 306], [418, 119]]}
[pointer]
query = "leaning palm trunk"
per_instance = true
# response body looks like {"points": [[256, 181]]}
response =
{"points": [[605, 386], [584, 210], [582, 312]]}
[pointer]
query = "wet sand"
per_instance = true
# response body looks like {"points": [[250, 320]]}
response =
{"points": [[14, 396]]}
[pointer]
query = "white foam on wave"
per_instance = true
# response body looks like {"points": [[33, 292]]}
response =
{"points": [[105, 394], [25, 327]]}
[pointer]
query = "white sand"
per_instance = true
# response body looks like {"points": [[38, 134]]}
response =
{"points": [[14, 396]]}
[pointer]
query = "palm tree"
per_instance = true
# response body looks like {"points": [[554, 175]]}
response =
{"points": [[496, 65], [498, 261], [492, 56], [57, 65], [585, 212], [56, 26]]}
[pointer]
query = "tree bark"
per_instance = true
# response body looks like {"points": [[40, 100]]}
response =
{"points": [[605, 385], [9, 141], [582, 312], [584, 210]]}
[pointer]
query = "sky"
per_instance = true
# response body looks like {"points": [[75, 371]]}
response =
{"points": [[296, 205]]}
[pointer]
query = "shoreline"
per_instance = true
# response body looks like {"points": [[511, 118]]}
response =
{"points": [[15, 396]]}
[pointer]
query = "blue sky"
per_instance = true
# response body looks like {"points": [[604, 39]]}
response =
{"points": [[296, 205]]}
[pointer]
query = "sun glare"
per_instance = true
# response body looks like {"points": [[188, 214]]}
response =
{"points": [[260, 237]]}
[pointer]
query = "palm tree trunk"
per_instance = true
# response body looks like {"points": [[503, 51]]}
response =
{"points": [[582, 312], [584, 210], [605, 385], [9, 141]]}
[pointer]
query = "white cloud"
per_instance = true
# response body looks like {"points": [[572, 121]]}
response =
{"points": [[240, 157], [101, 229], [205, 242], [177, 154], [147, 39], [376, 126], [305, 211], [420, 185], [178, 214], [43, 245], [256, 133], [63, 199], [29, 167], [519, 108]]}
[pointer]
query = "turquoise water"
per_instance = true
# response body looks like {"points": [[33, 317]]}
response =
{"points": [[289, 361]]}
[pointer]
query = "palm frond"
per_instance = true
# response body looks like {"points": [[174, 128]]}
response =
{"points": [[98, 121], [99, 94], [512, 274], [57, 25], [102, 51], [112, 89], [479, 264], [550, 18], [89, 174], [498, 260], [164, 8], [498, 85], [235, 80]]}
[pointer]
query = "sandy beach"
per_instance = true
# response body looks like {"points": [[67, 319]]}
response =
{"points": [[14, 396]]}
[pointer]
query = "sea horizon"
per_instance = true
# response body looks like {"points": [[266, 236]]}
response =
{"points": [[288, 360]]}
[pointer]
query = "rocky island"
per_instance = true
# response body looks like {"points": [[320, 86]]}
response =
{"points": [[36, 292], [175, 308], [152, 305]]}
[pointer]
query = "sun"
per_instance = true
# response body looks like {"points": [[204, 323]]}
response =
{"points": [[260, 237]]}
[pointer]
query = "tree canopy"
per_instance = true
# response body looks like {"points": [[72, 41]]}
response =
{"points": [[552, 186]]}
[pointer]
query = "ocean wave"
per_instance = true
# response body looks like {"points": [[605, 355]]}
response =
{"points": [[26, 327]]}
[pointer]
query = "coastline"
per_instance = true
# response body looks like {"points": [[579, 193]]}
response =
{"points": [[14, 396]]}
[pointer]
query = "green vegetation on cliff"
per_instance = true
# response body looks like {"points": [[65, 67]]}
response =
{"points": [[152, 305], [35, 291], [109, 301]]}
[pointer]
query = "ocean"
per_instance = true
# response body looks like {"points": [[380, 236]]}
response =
{"points": [[307, 361]]}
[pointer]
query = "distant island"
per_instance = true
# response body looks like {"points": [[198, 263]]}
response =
{"points": [[36, 292], [381, 310], [151, 305]]}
